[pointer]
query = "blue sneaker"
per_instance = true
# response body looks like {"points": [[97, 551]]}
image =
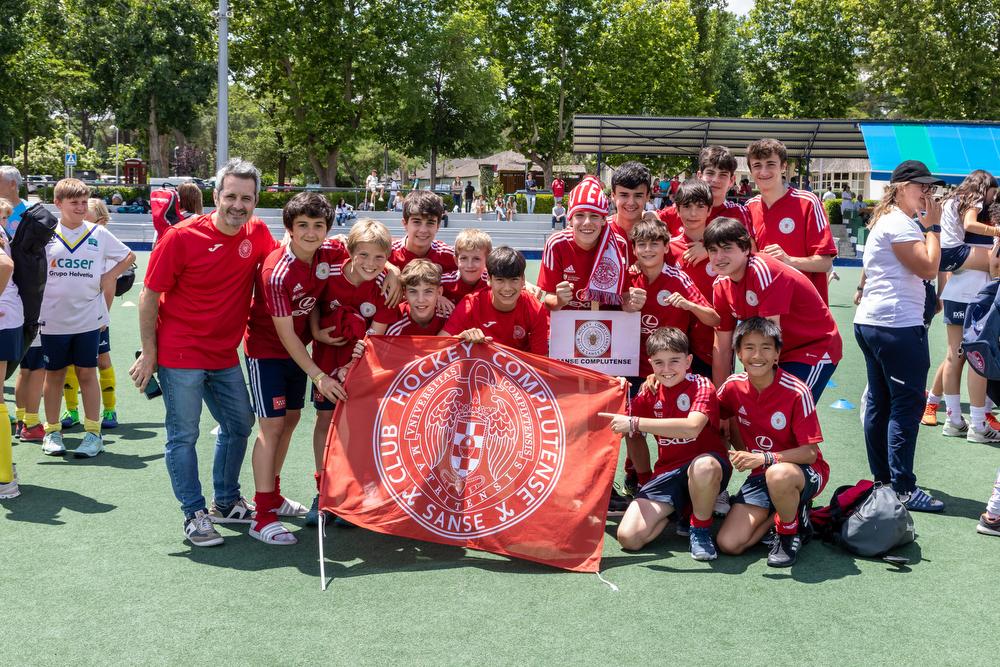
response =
{"points": [[312, 516], [702, 546], [109, 419], [920, 501], [91, 446]]}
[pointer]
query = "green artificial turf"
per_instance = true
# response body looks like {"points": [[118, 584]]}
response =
{"points": [[95, 570]]}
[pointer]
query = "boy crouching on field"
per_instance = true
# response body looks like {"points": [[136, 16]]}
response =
{"points": [[682, 412], [421, 288], [777, 424]]}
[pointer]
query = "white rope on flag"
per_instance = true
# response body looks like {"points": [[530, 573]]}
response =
{"points": [[605, 581]]}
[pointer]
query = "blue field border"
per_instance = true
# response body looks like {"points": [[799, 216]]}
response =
{"points": [[528, 254]]}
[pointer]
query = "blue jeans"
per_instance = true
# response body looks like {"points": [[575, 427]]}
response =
{"points": [[898, 360], [531, 202], [225, 393]]}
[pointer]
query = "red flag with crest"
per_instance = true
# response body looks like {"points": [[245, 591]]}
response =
{"points": [[479, 446]]}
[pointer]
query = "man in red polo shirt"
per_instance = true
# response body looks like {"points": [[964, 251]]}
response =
{"points": [[758, 285], [788, 224], [192, 315], [558, 189]]}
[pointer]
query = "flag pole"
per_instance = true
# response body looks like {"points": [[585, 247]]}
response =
{"points": [[322, 556]]}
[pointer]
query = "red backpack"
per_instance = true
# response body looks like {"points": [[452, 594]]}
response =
{"points": [[165, 206], [828, 520]]}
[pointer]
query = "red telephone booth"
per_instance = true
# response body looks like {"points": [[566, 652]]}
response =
{"points": [[135, 171]]}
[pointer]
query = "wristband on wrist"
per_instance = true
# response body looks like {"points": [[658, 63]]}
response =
{"points": [[776, 458], [633, 426], [318, 377], [934, 229], [861, 288], [768, 459]]}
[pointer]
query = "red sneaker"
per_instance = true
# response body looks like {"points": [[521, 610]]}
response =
{"points": [[930, 415], [992, 421], [33, 433]]}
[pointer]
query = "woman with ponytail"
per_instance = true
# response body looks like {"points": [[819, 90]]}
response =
{"points": [[902, 250]]}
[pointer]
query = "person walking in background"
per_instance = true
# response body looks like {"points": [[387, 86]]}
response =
{"points": [[530, 191], [903, 249], [470, 193]]}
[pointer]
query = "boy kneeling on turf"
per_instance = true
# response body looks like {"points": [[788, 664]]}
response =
{"points": [[682, 411], [777, 424]]}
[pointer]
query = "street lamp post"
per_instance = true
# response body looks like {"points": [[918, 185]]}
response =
{"points": [[222, 110], [117, 154]]}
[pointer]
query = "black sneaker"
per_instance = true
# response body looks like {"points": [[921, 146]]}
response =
{"points": [[806, 529], [785, 550], [617, 503], [631, 485]]}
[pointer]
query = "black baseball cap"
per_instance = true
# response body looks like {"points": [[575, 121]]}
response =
{"points": [[914, 171]]}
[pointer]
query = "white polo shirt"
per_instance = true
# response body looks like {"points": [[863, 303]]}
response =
{"points": [[893, 295]]}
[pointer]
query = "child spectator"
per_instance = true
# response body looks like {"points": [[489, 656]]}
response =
{"points": [[559, 215]]}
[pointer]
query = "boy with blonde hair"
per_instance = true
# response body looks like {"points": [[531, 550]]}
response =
{"points": [[472, 247], [421, 288]]}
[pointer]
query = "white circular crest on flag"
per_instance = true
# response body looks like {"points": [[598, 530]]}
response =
{"points": [[684, 402], [786, 226], [605, 276], [593, 338], [778, 421], [468, 447], [367, 309], [322, 270], [752, 298], [245, 248], [662, 296], [976, 359], [519, 332]]}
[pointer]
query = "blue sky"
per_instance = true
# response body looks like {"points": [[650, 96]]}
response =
{"points": [[740, 6]]}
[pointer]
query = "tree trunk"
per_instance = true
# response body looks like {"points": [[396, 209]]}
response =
{"points": [[547, 168], [434, 166], [155, 154], [27, 138], [326, 173], [283, 159]]}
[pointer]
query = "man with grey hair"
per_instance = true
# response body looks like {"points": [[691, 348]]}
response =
{"points": [[193, 312], [10, 188]]}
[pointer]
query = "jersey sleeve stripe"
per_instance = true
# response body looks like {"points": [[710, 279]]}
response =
{"points": [[762, 271], [796, 385]]}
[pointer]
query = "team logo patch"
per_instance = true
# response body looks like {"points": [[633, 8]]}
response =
{"points": [[305, 306], [977, 361], [593, 339], [322, 270], [466, 447], [519, 332], [778, 421], [245, 248], [605, 276], [278, 403], [752, 298], [649, 323], [786, 226], [683, 402], [764, 442], [92, 242], [662, 296], [367, 309], [709, 270]]}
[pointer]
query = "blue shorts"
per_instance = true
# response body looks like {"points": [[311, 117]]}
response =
{"points": [[104, 341], [954, 312], [671, 488], [321, 402], [754, 490], [952, 259], [33, 360], [276, 385], [62, 350], [815, 377], [11, 344]]}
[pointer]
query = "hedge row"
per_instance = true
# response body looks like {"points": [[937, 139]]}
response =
{"points": [[833, 209]]}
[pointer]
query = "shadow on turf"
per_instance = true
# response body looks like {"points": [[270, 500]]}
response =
{"points": [[130, 431], [43, 505], [107, 459], [955, 506]]}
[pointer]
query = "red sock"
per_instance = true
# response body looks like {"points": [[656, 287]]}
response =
{"points": [[700, 523], [644, 477], [783, 528], [267, 503], [317, 477]]}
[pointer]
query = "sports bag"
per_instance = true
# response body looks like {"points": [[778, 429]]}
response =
{"points": [[866, 519], [27, 250], [981, 332], [165, 206]]}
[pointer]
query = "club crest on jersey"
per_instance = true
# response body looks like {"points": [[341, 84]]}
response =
{"points": [[519, 332], [593, 338], [245, 248], [709, 270], [322, 270], [786, 226], [764, 442], [778, 421], [367, 309], [683, 402], [752, 298], [92, 242], [662, 296]]}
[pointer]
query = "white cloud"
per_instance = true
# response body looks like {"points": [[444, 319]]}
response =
{"points": [[740, 7]]}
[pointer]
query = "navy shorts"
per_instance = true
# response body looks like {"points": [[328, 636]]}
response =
{"points": [[104, 341], [634, 386], [952, 259], [62, 350], [954, 312], [754, 490], [276, 385], [11, 344], [671, 488], [33, 360], [815, 377], [321, 402]]}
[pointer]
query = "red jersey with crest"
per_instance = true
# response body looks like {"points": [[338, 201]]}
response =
{"points": [[366, 298], [405, 326], [779, 418], [440, 253], [692, 394], [629, 251], [727, 209], [563, 259], [701, 272], [525, 328], [455, 288], [796, 222], [771, 288], [287, 287], [657, 314], [205, 279]]}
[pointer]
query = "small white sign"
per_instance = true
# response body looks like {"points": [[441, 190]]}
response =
{"points": [[605, 341]]}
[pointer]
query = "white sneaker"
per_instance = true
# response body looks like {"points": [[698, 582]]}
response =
{"points": [[952, 430], [200, 532], [52, 444], [10, 489], [722, 504], [985, 436]]}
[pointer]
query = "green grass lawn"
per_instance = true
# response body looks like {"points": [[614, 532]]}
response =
{"points": [[95, 571]]}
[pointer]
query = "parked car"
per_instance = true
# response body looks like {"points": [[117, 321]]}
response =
{"points": [[35, 181]]}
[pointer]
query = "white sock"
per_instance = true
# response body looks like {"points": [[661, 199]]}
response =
{"points": [[978, 417], [993, 507], [954, 404], [932, 398]]}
